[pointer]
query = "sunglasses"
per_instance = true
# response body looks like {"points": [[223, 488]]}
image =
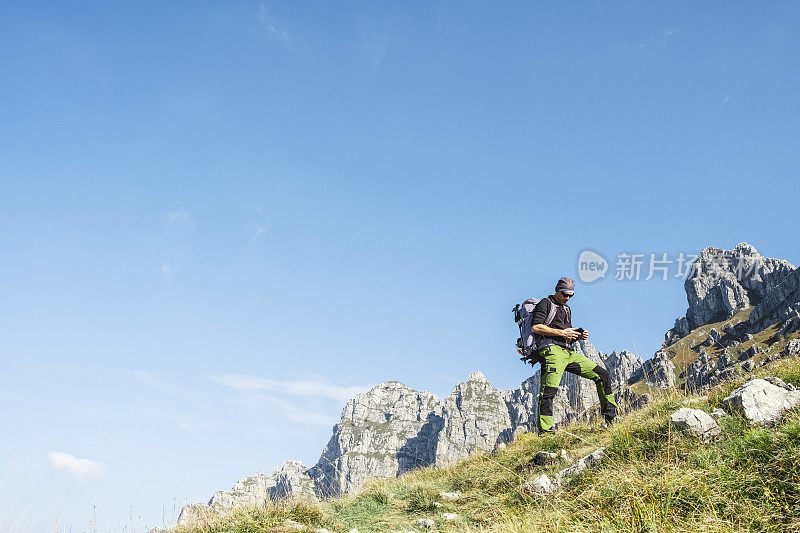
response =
{"points": [[565, 295]]}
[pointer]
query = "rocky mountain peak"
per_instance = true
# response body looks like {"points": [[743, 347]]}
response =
{"points": [[477, 376], [723, 282]]}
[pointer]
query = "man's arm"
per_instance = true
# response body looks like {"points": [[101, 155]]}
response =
{"points": [[539, 327], [570, 334]]}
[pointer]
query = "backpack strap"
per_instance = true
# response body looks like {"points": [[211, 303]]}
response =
{"points": [[551, 313]]}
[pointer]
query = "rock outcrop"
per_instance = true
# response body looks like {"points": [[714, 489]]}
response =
{"points": [[383, 433], [393, 429], [762, 402], [475, 419], [725, 281], [543, 484], [658, 371], [695, 422], [780, 304], [249, 491], [292, 482]]}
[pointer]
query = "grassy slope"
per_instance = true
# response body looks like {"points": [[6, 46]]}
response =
{"points": [[685, 351], [652, 480]]}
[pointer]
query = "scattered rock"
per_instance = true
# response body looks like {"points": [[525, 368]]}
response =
{"points": [[748, 366], [291, 524], [750, 352], [792, 348], [698, 373], [791, 324], [713, 337], [449, 516], [726, 359], [583, 464], [694, 422], [425, 523], [718, 413], [778, 382], [545, 458], [450, 496], [762, 402], [540, 485]]}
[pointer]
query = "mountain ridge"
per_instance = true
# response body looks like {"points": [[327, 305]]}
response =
{"points": [[394, 429]]}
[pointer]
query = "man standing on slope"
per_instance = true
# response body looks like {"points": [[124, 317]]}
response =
{"points": [[553, 343]]}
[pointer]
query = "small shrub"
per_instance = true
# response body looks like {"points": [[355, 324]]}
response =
{"points": [[381, 497], [420, 502]]}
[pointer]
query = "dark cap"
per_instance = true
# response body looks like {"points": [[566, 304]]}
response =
{"points": [[565, 284]]}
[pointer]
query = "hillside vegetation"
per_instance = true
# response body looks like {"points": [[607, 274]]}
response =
{"points": [[652, 479]]}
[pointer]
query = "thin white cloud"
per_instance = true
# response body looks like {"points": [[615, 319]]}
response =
{"points": [[662, 39], [297, 414], [266, 20], [81, 468], [165, 270], [666, 35], [259, 231], [180, 219], [243, 382]]}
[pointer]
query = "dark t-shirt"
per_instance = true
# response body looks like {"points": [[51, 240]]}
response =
{"points": [[561, 320]]}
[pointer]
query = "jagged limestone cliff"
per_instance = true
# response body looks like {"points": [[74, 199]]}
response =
{"points": [[742, 309], [725, 281], [384, 432]]}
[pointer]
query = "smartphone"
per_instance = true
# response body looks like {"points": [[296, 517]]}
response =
{"points": [[580, 330]]}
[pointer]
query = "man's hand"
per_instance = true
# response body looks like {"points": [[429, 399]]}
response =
{"points": [[570, 334]]}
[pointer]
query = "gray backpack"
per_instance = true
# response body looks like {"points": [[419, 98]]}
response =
{"points": [[523, 316]]}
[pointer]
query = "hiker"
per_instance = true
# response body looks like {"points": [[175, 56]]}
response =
{"points": [[553, 335]]}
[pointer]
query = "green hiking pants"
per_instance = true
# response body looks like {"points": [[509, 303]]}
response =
{"points": [[555, 360]]}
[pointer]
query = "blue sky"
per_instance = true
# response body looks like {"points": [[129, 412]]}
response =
{"points": [[219, 222]]}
